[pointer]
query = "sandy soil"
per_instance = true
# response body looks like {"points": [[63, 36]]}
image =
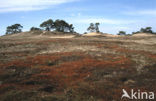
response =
{"points": [[92, 34], [142, 35], [100, 34]]}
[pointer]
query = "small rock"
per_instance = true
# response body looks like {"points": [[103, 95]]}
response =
{"points": [[129, 82]]}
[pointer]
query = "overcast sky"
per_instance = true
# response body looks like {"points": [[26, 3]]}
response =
{"points": [[113, 15]]}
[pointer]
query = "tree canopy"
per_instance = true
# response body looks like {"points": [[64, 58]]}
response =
{"points": [[145, 30], [91, 28], [47, 25], [58, 25], [16, 28], [34, 29], [94, 27], [122, 33], [97, 27], [63, 26]]}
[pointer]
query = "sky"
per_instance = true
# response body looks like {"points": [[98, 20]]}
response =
{"points": [[113, 15]]}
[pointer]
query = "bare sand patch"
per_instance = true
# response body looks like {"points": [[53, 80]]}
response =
{"points": [[142, 34], [110, 35], [100, 34], [92, 34], [63, 36]]}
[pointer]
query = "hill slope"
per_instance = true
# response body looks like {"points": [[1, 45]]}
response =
{"points": [[41, 68]]}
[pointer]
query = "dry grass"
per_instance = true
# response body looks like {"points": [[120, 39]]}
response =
{"points": [[75, 69]]}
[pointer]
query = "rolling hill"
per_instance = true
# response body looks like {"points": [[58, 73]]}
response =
{"points": [[43, 66]]}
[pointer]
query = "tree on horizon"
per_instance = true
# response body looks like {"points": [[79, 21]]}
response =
{"points": [[91, 28], [16, 28], [57, 25], [122, 33], [145, 30], [47, 25], [94, 27], [35, 29], [63, 26], [97, 27]]}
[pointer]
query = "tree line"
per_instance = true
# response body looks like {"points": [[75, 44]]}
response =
{"points": [[142, 30], [49, 25], [63, 26]]}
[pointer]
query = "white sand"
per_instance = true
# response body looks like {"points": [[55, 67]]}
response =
{"points": [[92, 34], [99, 34], [143, 34]]}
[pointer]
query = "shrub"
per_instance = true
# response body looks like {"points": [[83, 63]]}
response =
{"points": [[122, 33]]}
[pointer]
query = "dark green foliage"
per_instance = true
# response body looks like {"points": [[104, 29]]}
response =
{"points": [[35, 29], [135, 32], [97, 27], [63, 26], [71, 28], [122, 33], [58, 25], [94, 27], [91, 28], [16, 28], [47, 25], [145, 30]]}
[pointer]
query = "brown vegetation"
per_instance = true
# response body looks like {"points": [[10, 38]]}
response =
{"points": [[76, 69]]}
